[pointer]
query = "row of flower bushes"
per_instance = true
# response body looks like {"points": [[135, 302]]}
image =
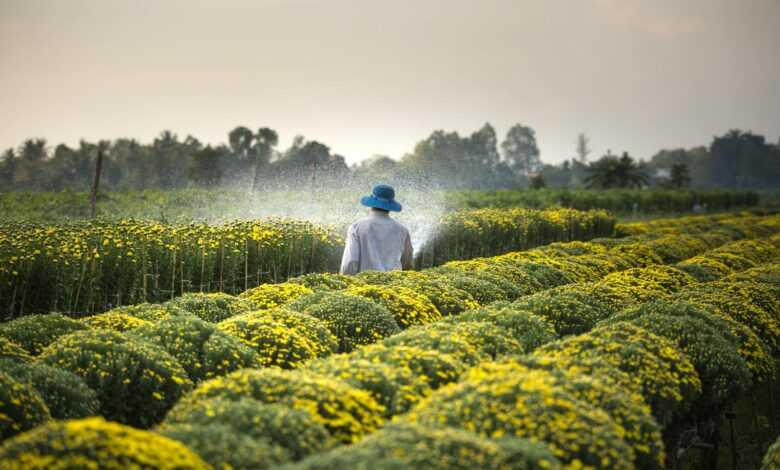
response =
{"points": [[88, 267], [343, 397]]}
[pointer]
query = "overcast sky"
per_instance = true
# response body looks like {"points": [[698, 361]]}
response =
{"points": [[374, 77]]}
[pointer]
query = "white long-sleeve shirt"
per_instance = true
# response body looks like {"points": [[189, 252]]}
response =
{"points": [[376, 243]]}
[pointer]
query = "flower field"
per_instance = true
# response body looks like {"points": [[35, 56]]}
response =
{"points": [[609, 353], [90, 266]]}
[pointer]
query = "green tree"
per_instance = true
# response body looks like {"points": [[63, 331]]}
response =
{"points": [[265, 141], [206, 169], [520, 150], [583, 148], [679, 178], [611, 171], [8, 162]]}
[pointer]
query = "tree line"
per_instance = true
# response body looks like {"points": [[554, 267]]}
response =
{"points": [[446, 159]]}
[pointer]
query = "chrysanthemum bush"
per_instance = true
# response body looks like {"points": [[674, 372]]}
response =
{"points": [[150, 312], [433, 367], [35, 332], [563, 309], [407, 445], [522, 281], [757, 355], [267, 296], [704, 269], [440, 339], [65, 394], [222, 447], [347, 413], [496, 402], [11, 350], [212, 307], [295, 430], [114, 321], [626, 289], [734, 300], [501, 286], [664, 376], [21, 407], [326, 281], [354, 320], [136, 382], [482, 291], [396, 389], [95, 443], [529, 329], [448, 299], [723, 373], [314, 329], [274, 343], [407, 306], [200, 347], [626, 407]]}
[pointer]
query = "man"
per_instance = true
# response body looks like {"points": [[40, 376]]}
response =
{"points": [[377, 243]]}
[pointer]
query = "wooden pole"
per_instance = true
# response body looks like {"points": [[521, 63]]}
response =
{"points": [[96, 183]]}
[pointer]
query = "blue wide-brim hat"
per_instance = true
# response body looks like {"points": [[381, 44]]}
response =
{"points": [[382, 197]]}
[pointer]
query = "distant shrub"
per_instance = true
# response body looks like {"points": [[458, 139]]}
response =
{"points": [[136, 382], [407, 306], [202, 350], [213, 307], [396, 389], [35, 332], [495, 402], [95, 443], [21, 407], [114, 321], [297, 431], [64, 393], [275, 343], [434, 368], [353, 320], [222, 447], [437, 448], [346, 412], [529, 329], [314, 329], [267, 296]]}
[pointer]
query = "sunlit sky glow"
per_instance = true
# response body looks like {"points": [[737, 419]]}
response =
{"points": [[368, 77]]}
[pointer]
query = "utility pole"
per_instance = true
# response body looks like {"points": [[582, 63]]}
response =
{"points": [[96, 183]]}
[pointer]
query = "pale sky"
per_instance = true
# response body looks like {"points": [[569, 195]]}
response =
{"points": [[373, 77]]}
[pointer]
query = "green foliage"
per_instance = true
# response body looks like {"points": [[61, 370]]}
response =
{"points": [[448, 299], [202, 350], [95, 443], [35, 332], [772, 456], [267, 296], [222, 447], [136, 382], [213, 307], [150, 312], [440, 339], [483, 292], [21, 407], [347, 413], [325, 281], [294, 430], [563, 309], [353, 320], [65, 394]]}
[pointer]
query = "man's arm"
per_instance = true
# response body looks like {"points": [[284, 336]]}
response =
{"points": [[407, 257], [350, 261]]}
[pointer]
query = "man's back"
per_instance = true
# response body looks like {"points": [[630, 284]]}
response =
{"points": [[376, 243]]}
